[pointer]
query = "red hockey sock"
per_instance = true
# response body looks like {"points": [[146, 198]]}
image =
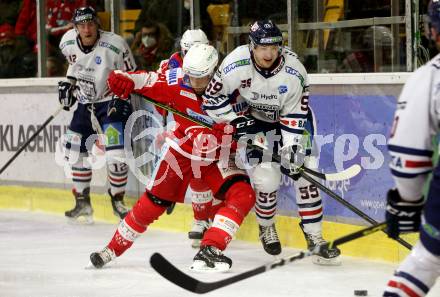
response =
{"points": [[216, 205], [143, 213], [201, 210], [239, 200]]}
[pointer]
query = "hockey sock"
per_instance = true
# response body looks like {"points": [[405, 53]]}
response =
{"points": [[81, 178], [308, 200], [239, 200], [143, 213], [201, 199], [201, 204], [117, 177], [216, 205], [416, 274], [266, 178]]}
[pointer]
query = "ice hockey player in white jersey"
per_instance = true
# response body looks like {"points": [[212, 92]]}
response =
{"points": [[275, 85], [92, 54], [416, 124]]}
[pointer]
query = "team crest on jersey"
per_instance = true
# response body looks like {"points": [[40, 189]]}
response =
{"points": [[173, 64], [114, 134], [282, 89], [98, 60]]}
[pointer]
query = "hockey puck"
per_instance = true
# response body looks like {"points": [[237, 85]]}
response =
{"points": [[360, 292]]}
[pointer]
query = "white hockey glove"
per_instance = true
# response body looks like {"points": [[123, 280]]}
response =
{"points": [[65, 94], [292, 158]]}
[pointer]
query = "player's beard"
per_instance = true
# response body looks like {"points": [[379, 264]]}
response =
{"points": [[89, 40]]}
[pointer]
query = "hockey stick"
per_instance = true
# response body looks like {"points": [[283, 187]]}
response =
{"points": [[30, 139], [349, 206], [342, 175], [179, 278]]}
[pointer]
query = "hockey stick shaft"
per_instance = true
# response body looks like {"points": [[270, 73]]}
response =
{"points": [[176, 276], [349, 206], [347, 174], [18, 152]]}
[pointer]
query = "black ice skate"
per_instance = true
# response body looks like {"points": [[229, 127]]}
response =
{"points": [[211, 259], [196, 233], [269, 239], [99, 259], [325, 255], [119, 208], [82, 210]]}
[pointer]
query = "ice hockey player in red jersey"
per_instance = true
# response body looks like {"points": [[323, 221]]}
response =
{"points": [[192, 151], [203, 203]]}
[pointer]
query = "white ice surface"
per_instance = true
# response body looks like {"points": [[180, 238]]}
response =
{"points": [[42, 255]]}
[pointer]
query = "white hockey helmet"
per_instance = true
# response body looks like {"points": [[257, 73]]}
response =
{"points": [[191, 37], [200, 61]]}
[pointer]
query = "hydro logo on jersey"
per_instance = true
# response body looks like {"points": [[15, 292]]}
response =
{"points": [[98, 60]]}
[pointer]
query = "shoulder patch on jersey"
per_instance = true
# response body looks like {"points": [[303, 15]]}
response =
{"points": [[188, 94], [109, 46], [173, 63], [66, 43], [236, 64], [172, 76], [296, 73]]}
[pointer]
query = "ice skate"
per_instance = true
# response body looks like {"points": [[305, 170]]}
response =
{"points": [[196, 233], [82, 212], [269, 239], [99, 259], [119, 208], [325, 255], [211, 259]]}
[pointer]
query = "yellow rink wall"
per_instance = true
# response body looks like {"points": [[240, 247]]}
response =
{"points": [[376, 246]]}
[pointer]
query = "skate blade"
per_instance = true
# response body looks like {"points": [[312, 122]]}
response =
{"points": [[195, 244], [81, 220], [200, 266], [326, 262]]}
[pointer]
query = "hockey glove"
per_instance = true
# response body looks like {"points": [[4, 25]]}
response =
{"points": [[120, 84], [244, 126], [118, 110], [65, 94], [402, 216], [220, 129], [292, 158]]}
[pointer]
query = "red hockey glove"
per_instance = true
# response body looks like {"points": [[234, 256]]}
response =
{"points": [[220, 129], [120, 84]]}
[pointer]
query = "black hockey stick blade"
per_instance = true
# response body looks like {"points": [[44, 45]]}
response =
{"points": [[179, 278]]}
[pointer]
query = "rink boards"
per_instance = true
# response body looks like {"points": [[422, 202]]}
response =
{"points": [[353, 114]]}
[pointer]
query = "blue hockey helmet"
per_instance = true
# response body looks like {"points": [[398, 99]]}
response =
{"points": [[265, 33], [84, 14], [434, 14]]}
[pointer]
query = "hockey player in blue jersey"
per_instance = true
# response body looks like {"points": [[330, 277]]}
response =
{"points": [[92, 54], [275, 85], [416, 123]]}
